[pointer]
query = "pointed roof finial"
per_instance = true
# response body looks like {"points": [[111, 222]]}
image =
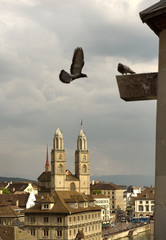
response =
{"points": [[81, 124], [47, 161]]}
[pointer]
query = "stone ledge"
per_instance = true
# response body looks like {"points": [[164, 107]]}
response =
{"points": [[138, 87]]}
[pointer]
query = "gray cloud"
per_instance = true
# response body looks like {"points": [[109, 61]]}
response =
{"points": [[37, 40]]}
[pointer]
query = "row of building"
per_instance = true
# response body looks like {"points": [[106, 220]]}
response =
{"points": [[64, 205]]}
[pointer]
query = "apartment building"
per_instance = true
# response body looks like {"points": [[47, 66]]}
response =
{"points": [[62, 214], [144, 203]]}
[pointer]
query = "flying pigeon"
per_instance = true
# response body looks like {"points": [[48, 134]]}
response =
{"points": [[124, 69], [75, 69]]}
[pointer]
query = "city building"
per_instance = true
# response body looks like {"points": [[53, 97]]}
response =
{"points": [[111, 190], [60, 179], [62, 214], [104, 203], [11, 215], [144, 203]]}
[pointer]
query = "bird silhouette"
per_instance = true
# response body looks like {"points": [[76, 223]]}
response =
{"points": [[75, 69], [124, 69]]}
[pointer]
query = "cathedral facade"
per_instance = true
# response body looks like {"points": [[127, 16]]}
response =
{"points": [[60, 179]]}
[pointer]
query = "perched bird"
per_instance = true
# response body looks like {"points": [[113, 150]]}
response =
{"points": [[75, 69], [124, 69]]}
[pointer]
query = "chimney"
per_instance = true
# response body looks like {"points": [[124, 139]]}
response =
{"points": [[17, 203]]}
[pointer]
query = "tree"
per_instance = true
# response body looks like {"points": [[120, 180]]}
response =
{"points": [[5, 191]]}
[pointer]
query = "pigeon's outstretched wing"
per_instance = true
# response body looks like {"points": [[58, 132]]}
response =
{"points": [[77, 62], [124, 69], [75, 69]]}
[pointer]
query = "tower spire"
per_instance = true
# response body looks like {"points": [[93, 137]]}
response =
{"points": [[81, 123], [47, 162]]}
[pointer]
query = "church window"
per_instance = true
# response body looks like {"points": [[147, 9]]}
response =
{"points": [[53, 168], [57, 143], [84, 169], [60, 156], [84, 143], [72, 186], [80, 144], [84, 157], [60, 143], [60, 168]]}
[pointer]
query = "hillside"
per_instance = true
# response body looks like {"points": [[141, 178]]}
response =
{"points": [[15, 179], [135, 180]]}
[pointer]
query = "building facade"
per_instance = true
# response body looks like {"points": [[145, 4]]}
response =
{"points": [[113, 191], [104, 203], [58, 178], [62, 214], [144, 203]]}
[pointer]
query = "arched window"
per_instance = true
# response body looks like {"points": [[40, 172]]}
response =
{"points": [[84, 157], [80, 143], [61, 143], [57, 143], [60, 156], [60, 168], [72, 186], [53, 168], [84, 169]]}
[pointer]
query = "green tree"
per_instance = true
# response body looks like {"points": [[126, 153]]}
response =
{"points": [[5, 191]]}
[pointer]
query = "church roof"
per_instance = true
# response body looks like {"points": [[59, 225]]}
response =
{"points": [[81, 133], [71, 178], [45, 176], [59, 132]]}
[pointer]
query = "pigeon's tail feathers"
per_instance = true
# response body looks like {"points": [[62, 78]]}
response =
{"points": [[65, 77]]}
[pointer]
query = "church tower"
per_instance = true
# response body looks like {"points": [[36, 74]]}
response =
{"points": [[58, 162], [82, 166]]}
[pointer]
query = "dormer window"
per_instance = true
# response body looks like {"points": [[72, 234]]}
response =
{"points": [[147, 195], [46, 206], [76, 205]]}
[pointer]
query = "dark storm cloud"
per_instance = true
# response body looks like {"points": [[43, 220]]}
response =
{"points": [[37, 40]]}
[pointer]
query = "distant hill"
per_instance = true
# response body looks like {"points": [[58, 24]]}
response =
{"points": [[135, 180], [15, 179]]}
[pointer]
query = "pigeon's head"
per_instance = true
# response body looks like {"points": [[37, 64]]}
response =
{"points": [[83, 75]]}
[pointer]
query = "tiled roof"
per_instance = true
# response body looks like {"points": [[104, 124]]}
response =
{"points": [[9, 211], [13, 199], [146, 194], [61, 199], [45, 176], [105, 186], [17, 186]]}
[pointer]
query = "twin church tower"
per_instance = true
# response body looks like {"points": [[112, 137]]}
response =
{"points": [[60, 179]]}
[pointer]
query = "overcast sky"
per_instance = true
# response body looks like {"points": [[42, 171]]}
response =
{"points": [[37, 40]]}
